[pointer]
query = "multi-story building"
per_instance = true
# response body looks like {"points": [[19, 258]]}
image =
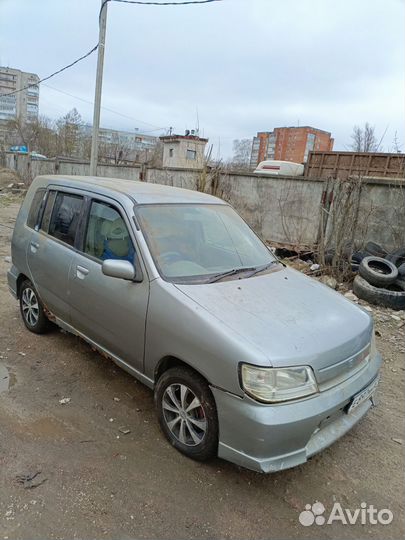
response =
{"points": [[134, 145], [24, 104], [183, 151], [289, 144]]}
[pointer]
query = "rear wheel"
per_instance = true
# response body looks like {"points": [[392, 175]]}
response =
{"points": [[32, 311], [187, 413]]}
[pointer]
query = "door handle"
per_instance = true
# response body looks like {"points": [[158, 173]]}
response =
{"points": [[81, 271], [35, 245]]}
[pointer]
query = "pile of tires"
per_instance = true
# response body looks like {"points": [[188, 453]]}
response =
{"points": [[379, 281], [370, 249], [398, 258]]}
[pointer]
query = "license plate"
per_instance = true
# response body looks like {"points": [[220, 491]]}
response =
{"points": [[362, 396]]}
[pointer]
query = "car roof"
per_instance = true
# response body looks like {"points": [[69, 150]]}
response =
{"points": [[140, 192]]}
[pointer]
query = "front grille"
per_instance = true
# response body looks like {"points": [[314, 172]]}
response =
{"points": [[341, 371]]}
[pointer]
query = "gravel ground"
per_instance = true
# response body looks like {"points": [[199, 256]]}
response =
{"points": [[96, 482]]}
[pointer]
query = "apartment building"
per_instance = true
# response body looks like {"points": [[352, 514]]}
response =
{"points": [[134, 145], [24, 104], [289, 144]]}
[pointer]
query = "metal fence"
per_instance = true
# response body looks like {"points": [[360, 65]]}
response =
{"points": [[345, 164]]}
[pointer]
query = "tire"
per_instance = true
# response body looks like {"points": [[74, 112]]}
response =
{"points": [[31, 309], [195, 433], [392, 297], [358, 256], [397, 257], [346, 252], [401, 271], [375, 249], [378, 271]]}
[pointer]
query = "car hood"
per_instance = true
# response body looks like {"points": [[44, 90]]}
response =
{"points": [[291, 319]]}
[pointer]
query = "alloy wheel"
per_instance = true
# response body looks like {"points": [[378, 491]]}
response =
{"points": [[30, 306], [184, 414]]}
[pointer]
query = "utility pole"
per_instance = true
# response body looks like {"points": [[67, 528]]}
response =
{"points": [[99, 84]]}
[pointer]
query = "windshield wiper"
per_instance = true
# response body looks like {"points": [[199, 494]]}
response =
{"points": [[261, 268], [232, 272]]}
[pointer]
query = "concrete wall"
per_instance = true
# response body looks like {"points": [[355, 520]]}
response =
{"points": [[382, 213], [282, 210], [28, 169]]}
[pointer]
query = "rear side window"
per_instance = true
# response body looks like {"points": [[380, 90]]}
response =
{"points": [[46, 218], [33, 215], [65, 217]]}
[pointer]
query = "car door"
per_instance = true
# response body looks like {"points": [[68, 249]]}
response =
{"points": [[110, 311], [51, 249]]}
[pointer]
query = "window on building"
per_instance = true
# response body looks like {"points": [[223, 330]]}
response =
{"points": [[191, 154], [171, 152], [65, 217], [107, 236]]}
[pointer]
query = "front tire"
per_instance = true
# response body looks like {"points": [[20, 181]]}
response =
{"points": [[187, 413], [32, 311]]}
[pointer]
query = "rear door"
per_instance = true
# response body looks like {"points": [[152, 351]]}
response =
{"points": [[109, 311], [52, 247]]}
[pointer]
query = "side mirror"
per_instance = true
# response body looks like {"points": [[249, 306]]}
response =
{"points": [[118, 269]]}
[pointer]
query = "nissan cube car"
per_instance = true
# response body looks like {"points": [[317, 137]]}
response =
{"points": [[248, 359]]}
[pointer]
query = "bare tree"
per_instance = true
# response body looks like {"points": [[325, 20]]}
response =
{"points": [[364, 139], [115, 151], [154, 156], [396, 145], [70, 134], [242, 149], [38, 135]]}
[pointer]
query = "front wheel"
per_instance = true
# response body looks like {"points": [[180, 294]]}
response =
{"points": [[187, 413], [32, 311]]}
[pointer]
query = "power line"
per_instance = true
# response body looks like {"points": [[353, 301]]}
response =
{"points": [[140, 3], [137, 2], [108, 109], [54, 73]]}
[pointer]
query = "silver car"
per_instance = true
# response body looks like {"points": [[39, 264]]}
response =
{"points": [[248, 359]]}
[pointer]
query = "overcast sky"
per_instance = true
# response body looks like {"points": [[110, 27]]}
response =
{"points": [[244, 65]]}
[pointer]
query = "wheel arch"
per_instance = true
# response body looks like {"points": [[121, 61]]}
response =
{"points": [[20, 280], [170, 361]]}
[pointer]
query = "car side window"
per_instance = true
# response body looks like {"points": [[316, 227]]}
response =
{"points": [[107, 236], [33, 215], [46, 218], [65, 217]]}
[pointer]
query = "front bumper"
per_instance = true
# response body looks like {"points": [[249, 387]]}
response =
{"points": [[270, 438]]}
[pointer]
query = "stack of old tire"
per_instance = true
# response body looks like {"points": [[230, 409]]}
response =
{"points": [[381, 277]]}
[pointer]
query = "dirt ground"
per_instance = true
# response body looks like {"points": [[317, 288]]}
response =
{"points": [[96, 482]]}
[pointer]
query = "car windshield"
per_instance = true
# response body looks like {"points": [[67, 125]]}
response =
{"points": [[199, 243]]}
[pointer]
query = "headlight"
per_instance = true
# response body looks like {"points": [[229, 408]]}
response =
{"points": [[272, 385]]}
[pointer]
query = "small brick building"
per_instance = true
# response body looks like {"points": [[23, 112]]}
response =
{"points": [[183, 151]]}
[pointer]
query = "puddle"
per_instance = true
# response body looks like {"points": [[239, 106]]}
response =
{"points": [[4, 378]]}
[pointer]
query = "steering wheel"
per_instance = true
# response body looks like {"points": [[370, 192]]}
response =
{"points": [[171, 256]]}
